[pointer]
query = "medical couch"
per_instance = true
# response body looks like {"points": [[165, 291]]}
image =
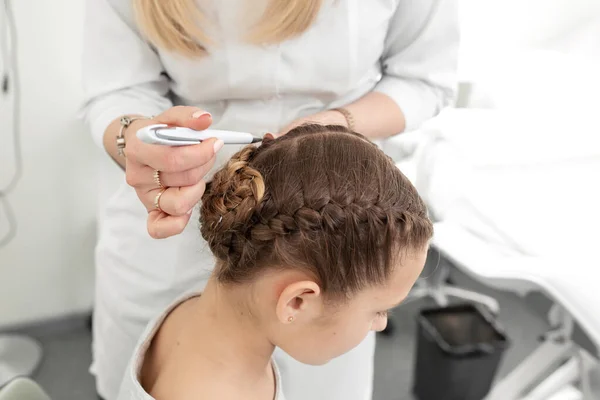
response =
{"points": [[515, 194]]}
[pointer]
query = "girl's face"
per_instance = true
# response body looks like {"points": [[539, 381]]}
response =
{"points": [[317, 332]]}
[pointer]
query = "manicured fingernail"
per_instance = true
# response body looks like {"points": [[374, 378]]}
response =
{"points": [[218, 145], [200, 114]]}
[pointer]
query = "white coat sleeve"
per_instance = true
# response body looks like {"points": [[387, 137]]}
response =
{"points": [[122, 74], [420, 59]]}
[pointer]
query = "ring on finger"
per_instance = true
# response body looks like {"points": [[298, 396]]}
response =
{"points": [[157, 199], [157, 179]]}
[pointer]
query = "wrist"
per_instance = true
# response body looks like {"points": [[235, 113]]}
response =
{"points": [[346, 116], [128, 126], [113, 132], [334, 117], [130, 132]]}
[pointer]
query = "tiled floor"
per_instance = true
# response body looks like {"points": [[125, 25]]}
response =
{"points": [[64, 370]]}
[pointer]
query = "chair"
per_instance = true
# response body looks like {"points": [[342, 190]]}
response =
{"points": [[22, 389], [19, 356]]}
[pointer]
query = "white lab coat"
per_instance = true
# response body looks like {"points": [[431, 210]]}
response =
{"points": [[406, 49]]}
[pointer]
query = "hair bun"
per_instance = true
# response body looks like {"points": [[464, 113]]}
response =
{"points": [[229, 201]]}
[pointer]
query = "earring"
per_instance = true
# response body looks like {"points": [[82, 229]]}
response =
{"points": [[291, 319]]}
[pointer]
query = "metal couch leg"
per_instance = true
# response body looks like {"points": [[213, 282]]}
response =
{"points": [[546, 358], [556, 348], [566, 374], [568, 392], [589, 367]]}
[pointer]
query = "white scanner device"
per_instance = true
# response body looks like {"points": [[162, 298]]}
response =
{"points": [[177, 136]]}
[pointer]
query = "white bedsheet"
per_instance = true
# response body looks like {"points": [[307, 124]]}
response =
{"points": [[525, 182]]}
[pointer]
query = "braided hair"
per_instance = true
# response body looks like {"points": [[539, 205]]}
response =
{"points": [[322, 199]]}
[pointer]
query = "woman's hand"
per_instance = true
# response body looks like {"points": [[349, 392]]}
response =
{"points": [[329, 117], [375, 115], [181, 170]]}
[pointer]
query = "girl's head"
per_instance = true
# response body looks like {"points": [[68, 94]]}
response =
{"points": [[322, 231]]}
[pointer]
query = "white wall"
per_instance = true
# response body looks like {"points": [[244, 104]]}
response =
{"points": [[493, 29], [47, 271]]}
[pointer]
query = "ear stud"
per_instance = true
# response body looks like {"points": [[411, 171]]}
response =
{"points": [[291, 319]]}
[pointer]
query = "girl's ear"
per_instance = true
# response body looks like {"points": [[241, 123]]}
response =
{"points": [[296, 300]]}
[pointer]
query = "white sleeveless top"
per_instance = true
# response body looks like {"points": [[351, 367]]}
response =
{"points": [[131, 388]]}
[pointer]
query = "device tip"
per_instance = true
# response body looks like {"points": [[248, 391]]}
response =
{"points": [[256, 139]]}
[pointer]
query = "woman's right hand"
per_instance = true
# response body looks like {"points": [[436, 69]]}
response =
{"points": [[181, 170]]}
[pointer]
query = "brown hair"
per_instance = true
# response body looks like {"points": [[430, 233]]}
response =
{"points": [[175, 25], [320, 198]]}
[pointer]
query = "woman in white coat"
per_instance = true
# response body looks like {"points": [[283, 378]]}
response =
{"points": [[381, 67]]}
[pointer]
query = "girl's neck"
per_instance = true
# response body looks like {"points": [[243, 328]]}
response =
{"points": [[227, 334], [207, 343]]}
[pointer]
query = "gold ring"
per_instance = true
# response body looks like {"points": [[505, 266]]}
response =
{"points": [[157, 199], [157, 179]]}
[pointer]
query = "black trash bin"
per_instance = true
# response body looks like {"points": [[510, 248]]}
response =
{"points": [[459, 349]]}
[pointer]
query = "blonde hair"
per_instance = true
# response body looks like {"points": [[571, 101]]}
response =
{"points": [[175, 25]]}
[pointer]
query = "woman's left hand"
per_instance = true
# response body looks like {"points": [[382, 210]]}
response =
{"points": [[329, 117]]}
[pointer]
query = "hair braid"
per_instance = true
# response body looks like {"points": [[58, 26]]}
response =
{"points": [[319, 198]]}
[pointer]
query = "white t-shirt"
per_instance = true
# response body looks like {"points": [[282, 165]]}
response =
{"points": [[131, 388]]}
